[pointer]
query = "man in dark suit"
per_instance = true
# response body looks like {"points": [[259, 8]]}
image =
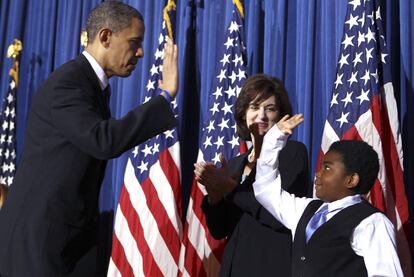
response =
{"points": [[48, 222]]}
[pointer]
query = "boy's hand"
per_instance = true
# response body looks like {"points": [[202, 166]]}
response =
{"points": [[287, 123]]}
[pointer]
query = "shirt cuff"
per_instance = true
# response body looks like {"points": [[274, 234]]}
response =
{"points": [[166, 95]]}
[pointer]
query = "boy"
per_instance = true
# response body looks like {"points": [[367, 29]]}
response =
{"points": [[341, 234]]}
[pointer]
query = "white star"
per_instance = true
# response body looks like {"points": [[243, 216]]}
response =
{"points": [[347, 99], [12, 86], [12, 123], [362, 20], [334, 100], [238, 89], [7, 112], [7, 153], [143, 167], [363, 96], [368, 54], [10, 98], [147, 150], [353, 78], [9, 180], [147, 98], [4, 167], [216, 158], [234, 142], [361, 38], [227, 108], [352, 21], [230, 92], [229, 43], [169, 133], [225, 59], [233, 77], [135, 152], [207, 142], [355, 3], [2, 138], [210, 126], [160, 39], [13, 154], [338, 80], [233, 27], [343, 60], [219, 142], [150, 85], [348, 41], [12, 167], [5, 125], [238, 59], [222, 74], [218, 92], [369, 35], [215, 109], [375, 75], [156, 148], [9, 139], [383, 58], [159, 54], [343, 119], [154, 70], [241, 74], [13, 112], [378, 14], [224, 124], [366, 77], [357, 58], [3, 180]]}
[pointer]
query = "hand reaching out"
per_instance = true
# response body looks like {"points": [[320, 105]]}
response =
{"points": [[287, 123], [217, 180]]}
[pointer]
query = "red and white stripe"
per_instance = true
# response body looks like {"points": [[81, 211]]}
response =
{"points": [[379, 127], [148, 230]]}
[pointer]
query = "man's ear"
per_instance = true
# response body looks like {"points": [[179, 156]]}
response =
{"points": [[353, 180], [104, 36]]}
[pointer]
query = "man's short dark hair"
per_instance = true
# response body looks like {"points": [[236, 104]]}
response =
{"points": [[113, 15], [358, 157], [260, 87]]}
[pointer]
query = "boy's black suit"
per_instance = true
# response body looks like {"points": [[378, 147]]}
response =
{"points": [[49, 219]]}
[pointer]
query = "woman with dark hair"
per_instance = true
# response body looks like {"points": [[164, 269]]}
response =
{"points": [[257, 244]]}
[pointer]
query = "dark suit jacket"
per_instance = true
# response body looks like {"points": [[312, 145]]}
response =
{"points": [[257, 244], [49, 219]]}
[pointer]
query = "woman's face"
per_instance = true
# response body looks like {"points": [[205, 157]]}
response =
{"points": [[260, 117]]}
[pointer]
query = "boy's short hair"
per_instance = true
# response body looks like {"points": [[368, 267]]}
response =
{"points": [[358, 157]]}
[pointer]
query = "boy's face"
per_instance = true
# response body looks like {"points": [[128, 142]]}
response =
{"points": [[332, 182]]}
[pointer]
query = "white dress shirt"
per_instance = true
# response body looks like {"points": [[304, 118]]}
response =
{"points": [[373, 238], [100, 73]]}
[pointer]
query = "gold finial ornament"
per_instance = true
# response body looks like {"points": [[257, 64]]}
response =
{"points": [[14, 49], [84, 38], [13, 52]]}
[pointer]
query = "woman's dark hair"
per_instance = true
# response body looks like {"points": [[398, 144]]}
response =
{"points": [[358, 157], [259, 88]]}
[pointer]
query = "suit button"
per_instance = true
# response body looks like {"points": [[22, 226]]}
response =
{"points": [[302, 258]]}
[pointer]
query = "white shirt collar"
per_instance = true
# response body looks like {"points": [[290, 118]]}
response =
{"points": [[343, 202], [103, 79]]}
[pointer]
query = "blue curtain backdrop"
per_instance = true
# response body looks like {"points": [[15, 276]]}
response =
{"points": [[295, 40]]}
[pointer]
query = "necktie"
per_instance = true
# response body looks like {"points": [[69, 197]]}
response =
{"points": [[316, 221]]}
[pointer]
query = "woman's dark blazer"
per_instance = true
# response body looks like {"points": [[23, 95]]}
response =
{"points": [[257, 244]]}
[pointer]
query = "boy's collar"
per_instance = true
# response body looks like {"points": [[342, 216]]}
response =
{"points": [[344, 202]]}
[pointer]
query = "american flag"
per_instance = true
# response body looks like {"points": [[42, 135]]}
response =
{"points": [[203, 253], [363, 107], [8, 133], [148, 229]]}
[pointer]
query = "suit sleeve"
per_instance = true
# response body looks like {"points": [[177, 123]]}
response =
{"points": [[75, 113]]}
